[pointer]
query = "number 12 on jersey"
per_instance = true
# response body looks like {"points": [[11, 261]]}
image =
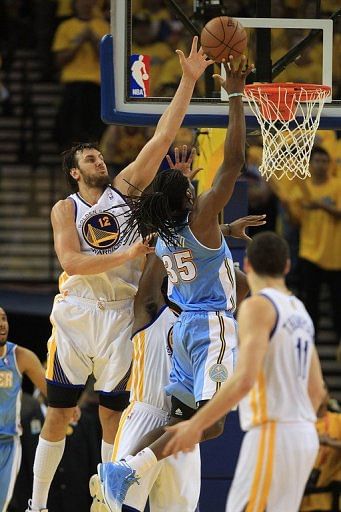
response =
{"points": [[180, 266]]}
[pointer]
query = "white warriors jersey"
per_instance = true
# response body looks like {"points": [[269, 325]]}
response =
{"points": [[99, 228], [152, 361], [281, 390]]}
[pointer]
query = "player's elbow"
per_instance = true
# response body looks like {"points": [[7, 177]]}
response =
{"points": [[69, 266], [165, 140]]}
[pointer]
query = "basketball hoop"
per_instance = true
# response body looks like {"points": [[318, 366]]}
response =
{"points": [[289, 115]]}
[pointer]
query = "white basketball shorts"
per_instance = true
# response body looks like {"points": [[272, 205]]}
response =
{"points": [[90, 337], [274, 464], [173, 485]]}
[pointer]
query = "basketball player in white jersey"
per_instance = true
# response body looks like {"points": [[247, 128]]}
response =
{"points": [[174, 484], [279, 385], [14, 362], [92, 316]]}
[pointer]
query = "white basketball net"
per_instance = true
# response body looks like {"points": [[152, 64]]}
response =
{"points": [[287, 143]]}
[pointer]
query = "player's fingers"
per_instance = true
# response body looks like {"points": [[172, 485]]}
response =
{"points": [[241, 64], [181, 56], [208, 62], [191, 156], [184, 153], [169, 161], [220, 78], [194, 47], [256, 223], [176, 155], [195, 172], [230, 63], [201, 51], [249, 70]]}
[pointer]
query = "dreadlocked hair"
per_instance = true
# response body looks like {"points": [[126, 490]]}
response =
{"points": [[160, 208]]}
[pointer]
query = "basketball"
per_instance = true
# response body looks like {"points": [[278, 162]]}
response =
{"points": [[145, 76], [223, 36]]}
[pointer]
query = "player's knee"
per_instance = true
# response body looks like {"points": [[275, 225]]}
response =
{"points": [[215, 430], [59, 416]]}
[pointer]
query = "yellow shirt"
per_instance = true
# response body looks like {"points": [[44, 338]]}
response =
{"points": [[320, 235], [328, 463], [84, 67]]}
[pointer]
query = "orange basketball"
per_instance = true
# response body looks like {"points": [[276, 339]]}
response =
{"points": [[223, 36]]}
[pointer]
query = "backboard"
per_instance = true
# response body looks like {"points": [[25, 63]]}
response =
{"points": [[140, 46]]}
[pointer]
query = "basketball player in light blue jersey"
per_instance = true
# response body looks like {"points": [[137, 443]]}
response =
{"points": [[202, 283], [14, 362]]}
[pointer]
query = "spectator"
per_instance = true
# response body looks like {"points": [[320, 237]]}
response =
{"points": [[317, 208], [114, 148], [145, 42], [77, 54], [69, 490], [325, 480]]}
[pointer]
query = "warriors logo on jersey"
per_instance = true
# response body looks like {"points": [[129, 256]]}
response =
{"points": [[101, 230]]}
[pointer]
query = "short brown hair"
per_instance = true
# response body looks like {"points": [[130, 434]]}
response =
{"points": [[268, 254], [70, 161]]}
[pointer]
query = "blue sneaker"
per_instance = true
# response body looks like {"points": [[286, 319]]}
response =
{"points": [[115, 478]]}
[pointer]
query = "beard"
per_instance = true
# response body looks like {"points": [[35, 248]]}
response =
{"points": [[3, 343], [97, 181]]}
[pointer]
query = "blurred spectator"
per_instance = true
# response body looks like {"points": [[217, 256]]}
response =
{"points": [[317, 208], [120, 145], [69, 489], [324, 485], [146, 42], [261, 199], [76, 45]]}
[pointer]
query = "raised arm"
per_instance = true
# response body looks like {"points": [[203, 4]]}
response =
{"points": [[67, 247], [213, 201], [142, 171]]}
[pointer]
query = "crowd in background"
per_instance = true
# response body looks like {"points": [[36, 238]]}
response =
{"points": [[66, 34]]}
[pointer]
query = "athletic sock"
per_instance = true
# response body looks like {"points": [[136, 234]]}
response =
{"points": [[143, 461], [106, 451], [47, 459]]}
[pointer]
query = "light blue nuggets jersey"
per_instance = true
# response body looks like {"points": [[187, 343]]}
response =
{"points": [[199, 278], [10, 393]]}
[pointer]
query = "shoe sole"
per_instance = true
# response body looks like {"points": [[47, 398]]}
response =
{"points": [[97, 491]]}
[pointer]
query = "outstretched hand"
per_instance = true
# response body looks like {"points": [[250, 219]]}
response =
{"points": [[183, 164], [235, 75], [195, 64], [142, 248], [185, 435], [237, 227]]}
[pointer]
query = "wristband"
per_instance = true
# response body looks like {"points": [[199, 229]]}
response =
{"points": [[234, 94], [229, 229]]}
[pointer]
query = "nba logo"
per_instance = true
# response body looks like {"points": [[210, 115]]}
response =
{"points": [[139, 77]]}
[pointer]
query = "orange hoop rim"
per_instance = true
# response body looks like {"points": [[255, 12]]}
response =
{"points": [[271, 89]]}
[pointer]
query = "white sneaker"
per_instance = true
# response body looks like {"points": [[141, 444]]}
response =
{"points": [[30, 509]]}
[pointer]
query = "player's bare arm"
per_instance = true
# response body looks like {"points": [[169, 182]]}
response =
{"points": [[242, 286], [204, 221], [142, 171], [254, 338], [149, 298], [29, 364], [67, 247], [316, 388]]}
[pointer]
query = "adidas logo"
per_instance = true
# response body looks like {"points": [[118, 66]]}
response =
{"points": [[178, 412]]}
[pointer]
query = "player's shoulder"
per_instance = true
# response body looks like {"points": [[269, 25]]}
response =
{"points": [[63, 206], [257, 306]]}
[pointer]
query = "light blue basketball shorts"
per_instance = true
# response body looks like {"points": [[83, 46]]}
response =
{"points": [[204, 355], [10, 460]]}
